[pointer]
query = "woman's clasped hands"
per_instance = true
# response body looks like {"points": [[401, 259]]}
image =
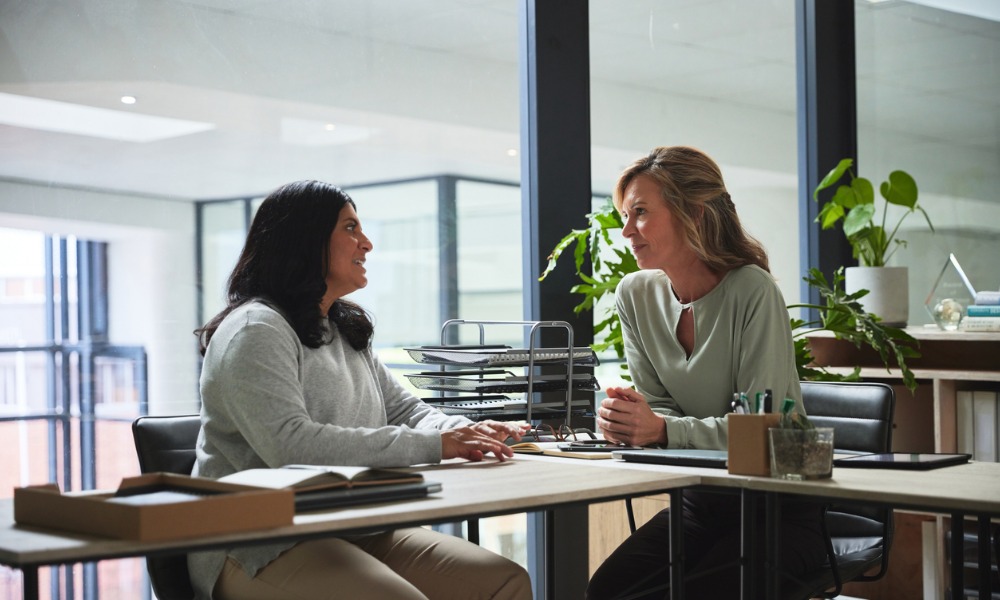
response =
{"points": [[625, 418], [473, 442]]}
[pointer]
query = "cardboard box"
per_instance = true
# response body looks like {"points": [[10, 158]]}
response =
{"points": [[146, 512], [749, 451]]}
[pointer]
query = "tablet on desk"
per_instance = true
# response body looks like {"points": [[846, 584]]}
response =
{"points": [[902, 460], [679, 457]]}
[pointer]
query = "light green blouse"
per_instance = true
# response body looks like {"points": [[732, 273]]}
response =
{"points": [[742, 343]]}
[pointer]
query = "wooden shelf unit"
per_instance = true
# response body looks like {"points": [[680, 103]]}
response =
{"points": [[950, 361]]}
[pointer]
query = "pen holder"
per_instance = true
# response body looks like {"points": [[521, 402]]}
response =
{"points": [[801, 453], [748, 443]]}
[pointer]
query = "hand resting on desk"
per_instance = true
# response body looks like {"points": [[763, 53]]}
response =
{"points": [[625, 418], [475, 441]]}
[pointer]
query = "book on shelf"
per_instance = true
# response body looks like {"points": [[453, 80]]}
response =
{"points": [[965, 422], [983, 310], [987, 297], [489, 356], [980, 324], [985, 420], [308, 478]]}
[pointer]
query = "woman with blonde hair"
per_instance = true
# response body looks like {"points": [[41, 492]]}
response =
{"points": [[703, 319]]}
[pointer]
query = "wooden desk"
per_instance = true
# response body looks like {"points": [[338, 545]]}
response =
{"points": [[971, 489], [469, 490]]}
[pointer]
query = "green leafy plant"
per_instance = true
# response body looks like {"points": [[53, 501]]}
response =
{"points": [[841, 313], [609, 264], [854, 202]]}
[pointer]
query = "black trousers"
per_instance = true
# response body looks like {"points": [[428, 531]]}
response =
{"points": [[639, 568]]}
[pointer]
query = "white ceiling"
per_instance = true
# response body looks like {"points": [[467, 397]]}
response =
{"points": [[420, 87]]}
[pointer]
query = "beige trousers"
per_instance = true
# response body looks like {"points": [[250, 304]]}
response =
{"points": [[416, 563]]}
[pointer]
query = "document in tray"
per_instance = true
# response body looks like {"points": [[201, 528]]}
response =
{"points": [[497, 383], [488, 356], [305, 478], [475, 403]]}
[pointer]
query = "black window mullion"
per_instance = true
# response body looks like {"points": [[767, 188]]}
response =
{"points": [[827, 117]]}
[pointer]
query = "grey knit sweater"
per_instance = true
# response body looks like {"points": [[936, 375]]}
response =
{"points": [[268, 400]]}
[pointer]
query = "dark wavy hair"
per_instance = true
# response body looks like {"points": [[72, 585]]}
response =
{"points": [[284, 262]]}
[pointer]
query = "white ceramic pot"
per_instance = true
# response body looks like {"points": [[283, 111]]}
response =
{"points": [[888, 292]]}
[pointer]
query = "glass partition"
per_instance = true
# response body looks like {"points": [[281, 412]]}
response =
{"points": [[928, 100]]}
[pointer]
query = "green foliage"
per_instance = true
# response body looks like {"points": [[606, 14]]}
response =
{"points": [[596, 242], [841, 313], [855, 204]]}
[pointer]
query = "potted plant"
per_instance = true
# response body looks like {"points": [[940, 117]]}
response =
{"points": [[871, 242], [799, 449], [841, 314]]}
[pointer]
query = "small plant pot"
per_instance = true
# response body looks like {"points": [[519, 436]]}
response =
{"points": [[801, 453], [888, 292]]}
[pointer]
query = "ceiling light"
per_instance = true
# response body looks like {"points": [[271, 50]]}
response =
{"points": [[78, 119], [128, 99], [306, 132], [511, 152]]}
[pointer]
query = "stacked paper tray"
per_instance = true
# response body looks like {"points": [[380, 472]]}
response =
{"points": [[504, 408], [493, 382], [491, 356]]}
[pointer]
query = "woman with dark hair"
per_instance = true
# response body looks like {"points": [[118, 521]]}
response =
{"points": [[289, 377], [702, 320]]}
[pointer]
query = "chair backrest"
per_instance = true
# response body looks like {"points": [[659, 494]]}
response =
{"points": [[859, 536], [860, 413], [167, 444]]}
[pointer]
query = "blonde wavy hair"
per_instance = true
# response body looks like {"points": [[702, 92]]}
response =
{"points": [[692, 187]]}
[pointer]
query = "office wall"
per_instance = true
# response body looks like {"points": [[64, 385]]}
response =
{"points": [[150, 270]]}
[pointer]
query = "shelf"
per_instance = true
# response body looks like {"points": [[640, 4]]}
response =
{"points": [[950, 361], [949, 374]]}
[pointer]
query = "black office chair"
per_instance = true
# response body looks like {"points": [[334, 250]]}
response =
{"points": [[166, 444], [858, 537]]}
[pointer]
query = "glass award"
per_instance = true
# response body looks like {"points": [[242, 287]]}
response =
{"points": [[951, 294]]}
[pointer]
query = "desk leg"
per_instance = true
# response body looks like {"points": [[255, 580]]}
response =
{"points": [[749, 537], [472, 530], [772, 521], [676, 545], [29, 578], [957, 554], [985, 568]]}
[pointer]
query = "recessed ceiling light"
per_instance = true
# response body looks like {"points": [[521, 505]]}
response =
{"points": [[307, 132], [79, 119], [511, 152], [128, 99]]}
